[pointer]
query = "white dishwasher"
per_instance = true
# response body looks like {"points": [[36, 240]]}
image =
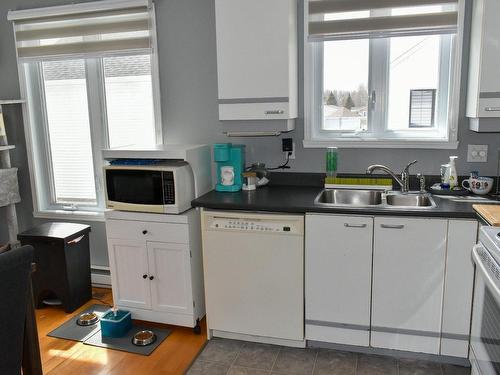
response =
{"points": [[254, 276]]}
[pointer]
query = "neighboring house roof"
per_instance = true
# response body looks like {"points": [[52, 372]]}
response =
{"points": [[334, 111], [359, 109]]}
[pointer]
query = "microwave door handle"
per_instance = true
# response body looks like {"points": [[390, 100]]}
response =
{"points": [[486, 275]]}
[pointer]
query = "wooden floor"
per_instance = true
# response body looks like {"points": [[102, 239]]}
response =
{"points": [[172, 357]]}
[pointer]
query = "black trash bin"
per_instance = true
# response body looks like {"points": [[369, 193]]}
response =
{"points": [[62, 256]]}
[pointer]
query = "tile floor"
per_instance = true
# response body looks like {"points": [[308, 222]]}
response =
{"points": [[230, 357]]}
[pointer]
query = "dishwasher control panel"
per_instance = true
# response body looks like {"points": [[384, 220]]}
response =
{"points": [[251, 225]]}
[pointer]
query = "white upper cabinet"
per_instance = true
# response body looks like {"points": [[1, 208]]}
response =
{"points": [[257, 59], [484, 80]]}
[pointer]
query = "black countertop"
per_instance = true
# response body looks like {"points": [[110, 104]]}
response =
{"points": [[300, 199]]}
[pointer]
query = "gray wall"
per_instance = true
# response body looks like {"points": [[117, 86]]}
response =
{"points": [[188, 78]]}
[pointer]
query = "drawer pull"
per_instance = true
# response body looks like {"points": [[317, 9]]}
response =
{"points": [[274, 112], [151, 277], [387, 226], [492, 109], [347, 225], [144, 276], [144, 232]]}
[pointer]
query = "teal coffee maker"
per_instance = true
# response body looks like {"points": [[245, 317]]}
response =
{"points": [[230, 160]]}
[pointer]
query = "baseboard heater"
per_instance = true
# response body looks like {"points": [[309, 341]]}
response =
{"points": [[100, 276]]}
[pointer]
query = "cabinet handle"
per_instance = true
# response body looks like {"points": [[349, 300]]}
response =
{"points": [[492, 109], [144, 276], [76, 240], [387, 226], [151, 277], [144, 232], [274, 112], [347, 225]]}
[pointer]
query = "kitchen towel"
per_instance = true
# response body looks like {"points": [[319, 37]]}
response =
{"points": [[9, 188]]}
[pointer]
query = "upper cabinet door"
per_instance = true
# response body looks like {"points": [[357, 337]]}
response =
{"points": [[408, 278], [484, 81], [256, 59], [338, 275], [170, 269], [128, 262]]}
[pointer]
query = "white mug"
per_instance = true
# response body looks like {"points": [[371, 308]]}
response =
{"points": [[227, 175], [478, 185]]}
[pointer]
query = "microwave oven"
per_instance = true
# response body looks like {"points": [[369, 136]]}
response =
{"points": [[162, 187]]}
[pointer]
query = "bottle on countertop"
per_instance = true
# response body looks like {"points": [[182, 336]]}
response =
{"points": [[452, 174]]}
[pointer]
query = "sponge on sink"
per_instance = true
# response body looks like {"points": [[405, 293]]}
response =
{"points": [[361, 182]]}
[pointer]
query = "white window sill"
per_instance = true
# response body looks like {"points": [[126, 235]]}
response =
{"points": [[69, 215], [370, 143]]}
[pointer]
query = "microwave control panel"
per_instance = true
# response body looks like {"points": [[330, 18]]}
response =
{"points": [[168, 188]]}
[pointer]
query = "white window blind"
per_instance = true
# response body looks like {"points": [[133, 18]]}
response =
{"points": [[69, 131], [362, 19], [129, 100], [83, 30]]}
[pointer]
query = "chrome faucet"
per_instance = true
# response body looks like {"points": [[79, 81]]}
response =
{"points": [[404, 181]]}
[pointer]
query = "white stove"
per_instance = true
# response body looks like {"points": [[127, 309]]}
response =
{"points": [[490, 238], [485, 329]]}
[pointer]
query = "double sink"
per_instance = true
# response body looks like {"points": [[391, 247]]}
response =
{"points": [[374, 199]]}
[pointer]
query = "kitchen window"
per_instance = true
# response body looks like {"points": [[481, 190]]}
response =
{"points": [[89, 74], [380, 75]]}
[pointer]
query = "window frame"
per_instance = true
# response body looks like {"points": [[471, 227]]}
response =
{"points": [[37, 135], [314, 137]]}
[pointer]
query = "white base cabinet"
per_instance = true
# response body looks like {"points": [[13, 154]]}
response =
{"points": [[408, 278], [338, 261], [156, 266], [458, 287], [390, 282]]}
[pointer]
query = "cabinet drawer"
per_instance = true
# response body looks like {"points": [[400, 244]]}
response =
{"points": [[148, 231]]}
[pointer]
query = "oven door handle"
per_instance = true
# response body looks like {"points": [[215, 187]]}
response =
{"points": [[487, 276]]}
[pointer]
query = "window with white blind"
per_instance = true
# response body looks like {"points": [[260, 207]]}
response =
{"points": [[89, 73], [382, 73]]}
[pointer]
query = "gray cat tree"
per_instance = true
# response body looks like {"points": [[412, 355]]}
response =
{"points": [[9, 190]]}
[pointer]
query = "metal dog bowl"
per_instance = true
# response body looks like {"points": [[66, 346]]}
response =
{"points": [[87, 319], [144, 338]]}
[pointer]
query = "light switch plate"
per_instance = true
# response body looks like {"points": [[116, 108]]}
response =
{"points": [[477, 153]]}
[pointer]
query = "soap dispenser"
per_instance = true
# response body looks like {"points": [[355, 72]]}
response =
{"points": [[452, 173]]}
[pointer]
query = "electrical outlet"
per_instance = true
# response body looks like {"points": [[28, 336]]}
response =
{"points": [[477, 153], [288, 147], [292, 155]]}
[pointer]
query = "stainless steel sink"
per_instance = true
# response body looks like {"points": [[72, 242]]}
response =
{"points": [[334, 197], [378, 199], [410, 200]]}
